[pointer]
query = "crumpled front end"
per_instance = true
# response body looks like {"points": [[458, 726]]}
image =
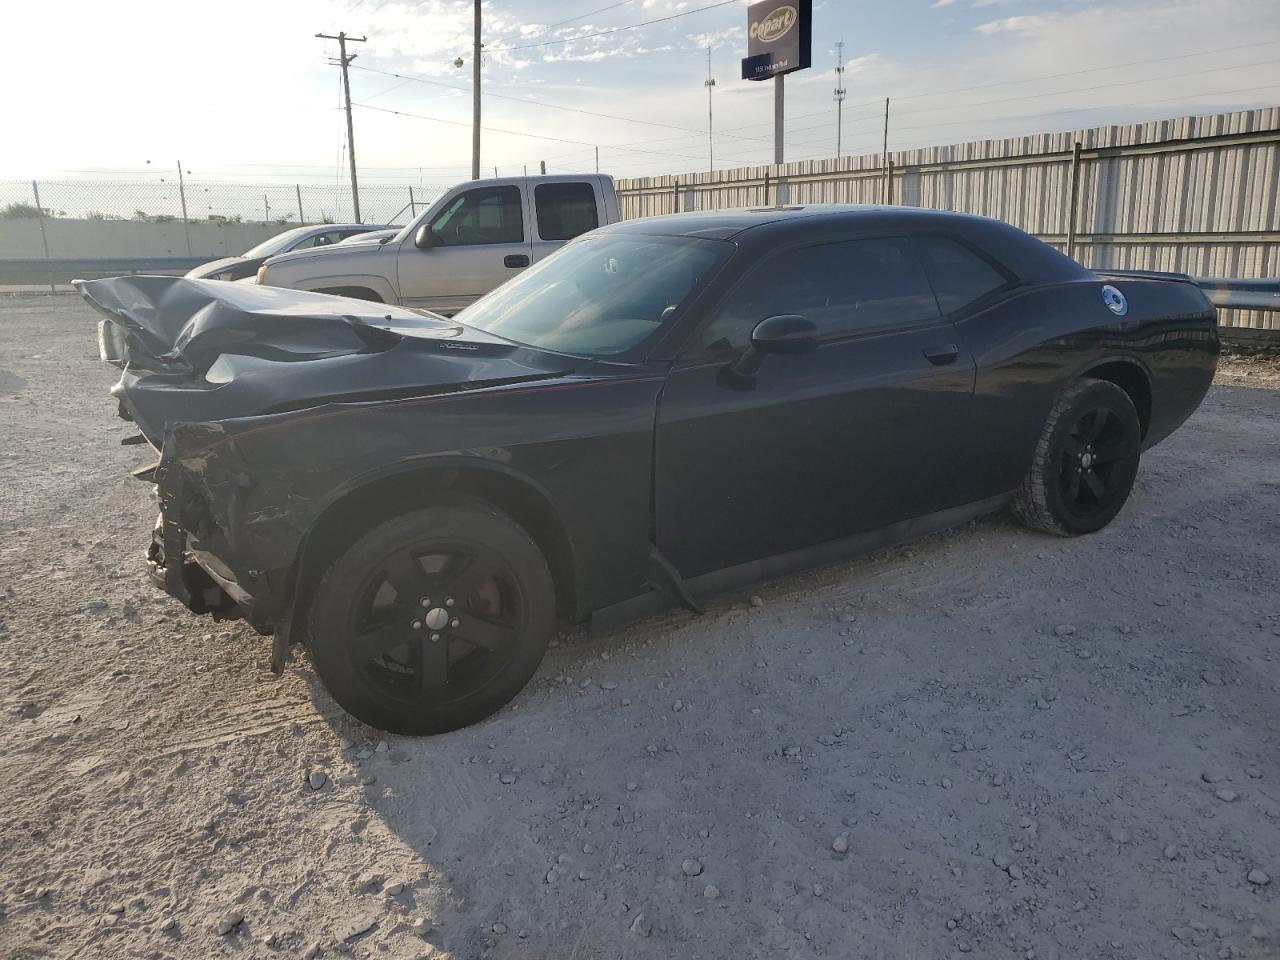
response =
{"points": [[238, 389], [214, 547]]}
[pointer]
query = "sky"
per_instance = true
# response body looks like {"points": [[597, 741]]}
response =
{"points": [[244, 91]]}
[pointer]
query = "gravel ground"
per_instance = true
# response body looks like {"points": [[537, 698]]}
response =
{"points": [[991, 742]]}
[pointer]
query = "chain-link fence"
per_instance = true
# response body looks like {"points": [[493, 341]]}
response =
{"points": [[54, 230], [167, 200]]}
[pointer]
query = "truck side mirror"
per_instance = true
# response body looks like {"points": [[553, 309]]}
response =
{"points": [[425, 238]]}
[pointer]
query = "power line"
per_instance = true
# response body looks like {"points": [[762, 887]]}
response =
{"points": [[692, 131], [1098, 69], [1105, 106], [1049, 76], [1101, 86], [582, 16], [605, 33], [535, 136], [1034, 96]]}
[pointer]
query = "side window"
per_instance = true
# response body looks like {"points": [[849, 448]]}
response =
{"points": [[844, 288], [959, 276], [483, 215], [328, 238], [565, 210]]}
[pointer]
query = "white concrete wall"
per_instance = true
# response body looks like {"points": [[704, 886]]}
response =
{"points": [[79, 239]]}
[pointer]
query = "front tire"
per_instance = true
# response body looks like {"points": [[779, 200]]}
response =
{"points": [[433, 620], [1085, 461]]}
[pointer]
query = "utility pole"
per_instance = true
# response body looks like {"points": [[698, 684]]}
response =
{"points": [[777, 117], [182, 195], [839, 93], [182, 192], [475, 98], [597, 159], [884, 155], [711, 146], [543, 167], [342, 61]]}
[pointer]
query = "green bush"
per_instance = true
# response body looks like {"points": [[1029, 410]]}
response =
{"points": [[153, 217], [20, 211]]}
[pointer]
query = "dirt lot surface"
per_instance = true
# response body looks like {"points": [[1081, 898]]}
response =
{"points": [[990, 743]]}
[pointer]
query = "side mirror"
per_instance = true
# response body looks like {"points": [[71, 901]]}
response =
{"points": [[424, 238], [785, 333]]}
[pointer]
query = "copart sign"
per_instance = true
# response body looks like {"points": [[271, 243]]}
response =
{"points": [[779, 38]]}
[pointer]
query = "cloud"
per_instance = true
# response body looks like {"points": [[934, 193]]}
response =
{"points": [[1014, 24], [939, 89], [731, 36]]}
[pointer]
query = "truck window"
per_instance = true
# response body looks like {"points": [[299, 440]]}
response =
{"points": [[565, 210], [483, 215]]}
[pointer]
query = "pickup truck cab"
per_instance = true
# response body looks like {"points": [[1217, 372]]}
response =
{"points": [[474, 238]]}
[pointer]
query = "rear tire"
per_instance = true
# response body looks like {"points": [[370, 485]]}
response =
{"points": [[433, 620], [1084, 463]]}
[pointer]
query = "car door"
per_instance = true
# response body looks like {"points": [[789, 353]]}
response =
{"points": [[866, 430], [562, 210], [482, 240]]}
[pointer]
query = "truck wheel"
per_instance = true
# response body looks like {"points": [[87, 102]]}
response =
{"points": [[433, 620], [1085, 462]]}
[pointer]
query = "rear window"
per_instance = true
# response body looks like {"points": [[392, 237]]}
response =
{"points": [[565, 210], [960, 277]]}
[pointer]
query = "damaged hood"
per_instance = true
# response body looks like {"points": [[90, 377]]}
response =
{"points": [[206, 350]]}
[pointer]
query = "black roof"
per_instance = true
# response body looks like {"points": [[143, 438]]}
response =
{"points": [[763, 227], [724, 224]]}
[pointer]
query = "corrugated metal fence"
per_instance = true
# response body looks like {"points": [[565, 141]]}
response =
{"points": [[1198, 195]]}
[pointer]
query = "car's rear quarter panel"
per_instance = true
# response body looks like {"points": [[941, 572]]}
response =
{"points": [[1029, 346]]}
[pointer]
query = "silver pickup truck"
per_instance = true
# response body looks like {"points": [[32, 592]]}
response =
{"points": [[475, 237]]}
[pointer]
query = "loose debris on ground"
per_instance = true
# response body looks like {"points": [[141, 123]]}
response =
{"points": [[989, 743]]}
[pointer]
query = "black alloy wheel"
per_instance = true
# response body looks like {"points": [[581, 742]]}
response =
{"points": [[1085, 462], [434, 620], [1097, 463]]}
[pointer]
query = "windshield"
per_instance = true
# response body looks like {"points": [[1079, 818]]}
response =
{"points": [[598, 296], [276, 244]]}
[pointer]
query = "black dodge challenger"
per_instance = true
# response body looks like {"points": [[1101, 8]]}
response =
{"points": [[665, 406]]}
